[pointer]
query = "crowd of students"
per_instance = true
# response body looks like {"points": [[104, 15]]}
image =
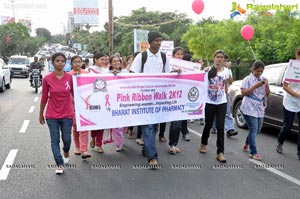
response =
{"points": [[57, 96]]}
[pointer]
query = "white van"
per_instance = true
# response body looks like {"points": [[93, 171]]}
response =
{"points": [[19, 65]]}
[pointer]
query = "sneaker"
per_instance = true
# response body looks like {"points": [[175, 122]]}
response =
{"points": [[221, 158], [99, 149], [186, 137], [279, 147], [119, 148], [202, 148], [66, 158], [59, 170], [231, 133], [172, 150], [245, 147], [191, 121], [139, 141], [256, 156]]}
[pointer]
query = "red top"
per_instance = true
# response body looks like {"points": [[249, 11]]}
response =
{"points": [[58, 93]]}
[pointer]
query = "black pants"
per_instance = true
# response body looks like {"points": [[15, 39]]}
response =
{"points": [[184, 129], [174, 132], [162, 128], [212, 111]]}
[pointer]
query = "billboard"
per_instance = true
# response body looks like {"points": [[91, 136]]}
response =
{"points": [[27, 23], [7, 19], [86, 12]]}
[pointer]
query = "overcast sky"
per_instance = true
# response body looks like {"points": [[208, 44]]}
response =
{"points": [[52, 14]]}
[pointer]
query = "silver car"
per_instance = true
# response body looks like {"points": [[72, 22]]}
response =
{"points": [[5, 77]]}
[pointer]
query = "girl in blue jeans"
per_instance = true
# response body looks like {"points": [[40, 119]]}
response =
{"points": [[255, 89]]}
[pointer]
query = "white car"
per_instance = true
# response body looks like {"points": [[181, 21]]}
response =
{"points": [[5, 78], [19, 65]]}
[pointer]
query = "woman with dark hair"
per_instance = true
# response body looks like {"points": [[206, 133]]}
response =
{"points": [[255, 90], [57, 95], [291, 107], [80, 137], [216, 104]]}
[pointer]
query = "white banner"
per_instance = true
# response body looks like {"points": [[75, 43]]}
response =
{"points": [[108, 101], [185, 66], [86, 12], [293, 71]]}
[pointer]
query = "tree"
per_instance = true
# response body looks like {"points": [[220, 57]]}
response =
{"points": [[43, 32]]}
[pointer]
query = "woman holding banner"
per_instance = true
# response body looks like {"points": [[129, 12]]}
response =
{"points": [[291, 106], [100, 67], [80, 138]]}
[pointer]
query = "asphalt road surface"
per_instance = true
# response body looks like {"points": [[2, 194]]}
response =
{"points": [[27, 165]]}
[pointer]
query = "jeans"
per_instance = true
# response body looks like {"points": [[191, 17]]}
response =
{"points": [[148, 134], [254, 124], [287, 126], [65, 127], [229, 122], [212, 111]]}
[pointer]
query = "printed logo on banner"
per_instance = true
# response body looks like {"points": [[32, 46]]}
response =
{"points": [[193, 94], [100, 85]]}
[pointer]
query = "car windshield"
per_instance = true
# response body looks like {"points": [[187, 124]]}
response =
{"points": [[273, 74], [19, 61]]}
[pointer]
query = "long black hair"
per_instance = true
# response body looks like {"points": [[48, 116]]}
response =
{"points": [[212, 73]]}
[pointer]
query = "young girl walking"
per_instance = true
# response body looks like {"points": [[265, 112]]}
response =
{"points": [[255, 90]]}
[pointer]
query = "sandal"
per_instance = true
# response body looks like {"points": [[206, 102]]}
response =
{"points": [[139, 142], [85, 156], [99, 149], [172, 150], [92, 143], [163, 139]]}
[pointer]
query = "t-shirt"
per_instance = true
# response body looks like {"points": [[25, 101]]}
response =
{"points": [[216, 88], [58, 94], [153, 64], [254, 103], [290, 102]]}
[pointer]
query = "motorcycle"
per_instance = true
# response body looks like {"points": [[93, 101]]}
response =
{"points": [[36, 79]]}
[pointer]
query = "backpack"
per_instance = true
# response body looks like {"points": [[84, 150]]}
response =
{"points": [[144, 59]]}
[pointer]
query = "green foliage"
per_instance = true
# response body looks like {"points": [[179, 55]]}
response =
{"points": [[13, 37], [43, 32]]}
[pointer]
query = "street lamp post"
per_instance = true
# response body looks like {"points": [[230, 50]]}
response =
{"points": [[13, 7]]}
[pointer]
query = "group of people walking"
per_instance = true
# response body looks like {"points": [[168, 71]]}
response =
{"points": [[57, 96]]}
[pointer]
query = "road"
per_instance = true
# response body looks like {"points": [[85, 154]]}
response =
{"points": [[26, 163]]}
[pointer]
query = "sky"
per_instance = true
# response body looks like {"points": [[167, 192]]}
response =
{"points": [[53, 14]]}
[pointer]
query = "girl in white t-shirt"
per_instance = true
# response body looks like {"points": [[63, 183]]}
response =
{"points": [[216, 104]]}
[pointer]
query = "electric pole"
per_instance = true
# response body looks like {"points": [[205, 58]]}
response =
{"points": [[110, 27]]}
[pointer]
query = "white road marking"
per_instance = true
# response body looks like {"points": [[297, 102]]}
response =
{"points": [[24, 126], [263, 166], [31, 109], [275, 171], [8, 162], [195, 132], [36, 99]]}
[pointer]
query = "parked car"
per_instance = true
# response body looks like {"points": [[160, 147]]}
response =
{"points": [[5, 77], [274, 111], [18, 65]]}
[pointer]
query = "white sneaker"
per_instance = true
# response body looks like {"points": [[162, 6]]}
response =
{"points": [[66, 160], [119, 149], [59, 170]]}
